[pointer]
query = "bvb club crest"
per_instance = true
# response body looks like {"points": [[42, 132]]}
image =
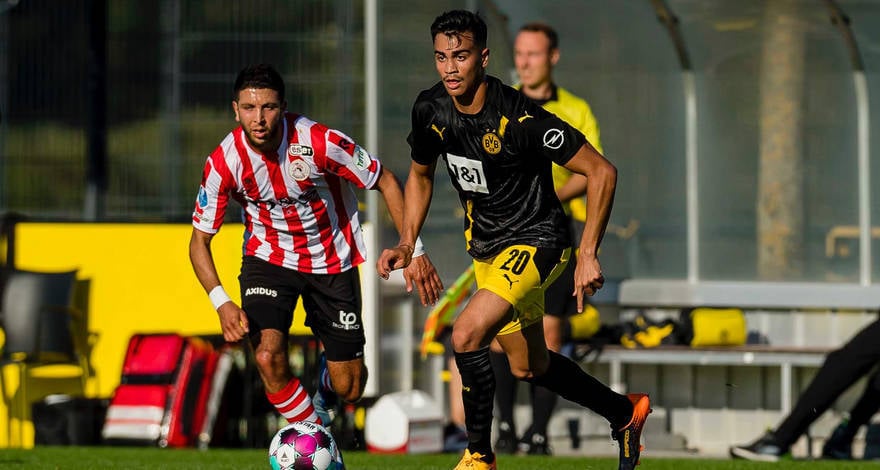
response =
{"points": [[491, 143]]}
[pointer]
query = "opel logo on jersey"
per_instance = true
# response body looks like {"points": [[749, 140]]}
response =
{"points": [[491, 143], [299, 170], [554, 138], [296, 150]]}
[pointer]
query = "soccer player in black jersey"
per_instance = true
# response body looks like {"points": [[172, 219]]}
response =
{"points": [[498, 147]]}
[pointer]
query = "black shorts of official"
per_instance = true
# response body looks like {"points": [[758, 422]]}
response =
{"points": [[558, 300], [332, 303]]}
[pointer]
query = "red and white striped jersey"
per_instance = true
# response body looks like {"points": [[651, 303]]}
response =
{"points": [[300, 208]]}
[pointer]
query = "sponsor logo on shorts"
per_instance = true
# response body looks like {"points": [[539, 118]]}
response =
{"points": [[510, 281], [347, 321], [261, 291]]}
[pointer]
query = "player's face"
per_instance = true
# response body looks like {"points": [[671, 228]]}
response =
{"points": [[460, 63], [259, 111], [533, 58]]}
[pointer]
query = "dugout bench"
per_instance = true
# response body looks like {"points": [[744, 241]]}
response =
{"points": [[802, 322]]}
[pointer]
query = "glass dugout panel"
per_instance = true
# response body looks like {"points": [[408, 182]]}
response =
{"points": [[796, 114]]}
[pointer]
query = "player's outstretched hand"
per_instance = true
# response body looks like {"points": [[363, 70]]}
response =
{"points": [[393, 258], [422, 274]]}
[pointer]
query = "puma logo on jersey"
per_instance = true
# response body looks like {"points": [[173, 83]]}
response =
{"points": [[438, 130], [510, 281], [525, 116]]}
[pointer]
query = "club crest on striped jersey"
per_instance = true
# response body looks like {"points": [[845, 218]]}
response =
{"points": [[300, 150], [299, 169], [361, 158]]}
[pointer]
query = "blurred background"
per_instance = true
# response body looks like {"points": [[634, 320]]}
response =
{"points": [[109, 109], [743, 132]]}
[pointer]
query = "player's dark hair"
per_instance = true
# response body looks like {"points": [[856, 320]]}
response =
{"points": [[259, 76], [539, 27], [461, 21]]}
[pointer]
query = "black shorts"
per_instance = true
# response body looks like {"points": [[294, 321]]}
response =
{"points": [[332, 303], [558, 300]]}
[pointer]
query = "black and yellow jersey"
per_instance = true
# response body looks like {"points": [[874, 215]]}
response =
{"points": [[499, 161], [578, 114]]}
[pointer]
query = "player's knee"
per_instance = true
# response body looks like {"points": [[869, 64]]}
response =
{"points": [[350, 387], [353, 394], [465, 339], [530, 371], [270, 363]]}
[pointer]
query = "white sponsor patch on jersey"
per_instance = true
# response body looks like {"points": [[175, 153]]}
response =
{"points": [[468, 172], [296, 150], [361, 158]]}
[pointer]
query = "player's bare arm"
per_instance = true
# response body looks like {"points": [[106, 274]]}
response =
{"points": [[420, 273], [417, 200], [575, 186], [233, 321], [601, 183]]}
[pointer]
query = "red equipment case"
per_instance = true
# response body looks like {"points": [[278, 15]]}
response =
{"points": [[162, 397]]}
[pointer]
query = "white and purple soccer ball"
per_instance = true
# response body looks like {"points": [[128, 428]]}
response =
{"points": [[303, 445]]}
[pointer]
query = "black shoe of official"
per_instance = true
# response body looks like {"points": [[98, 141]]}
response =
{"points": [[536, 444], [837, 447], [507, 442], [455, 439], [765, 449]]}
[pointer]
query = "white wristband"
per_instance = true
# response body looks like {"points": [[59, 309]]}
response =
{"points": [[218, 297], [419, 249]]}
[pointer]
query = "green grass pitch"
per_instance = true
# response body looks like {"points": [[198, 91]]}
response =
{"points": [[107, 458]]}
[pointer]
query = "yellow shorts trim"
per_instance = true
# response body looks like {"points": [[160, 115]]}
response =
{"points": [[516, 276]]}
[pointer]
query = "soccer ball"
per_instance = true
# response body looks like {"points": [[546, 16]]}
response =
{"points": [[303, 445]]}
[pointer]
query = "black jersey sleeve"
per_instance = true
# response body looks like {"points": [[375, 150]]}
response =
{"points": [[425, 138], [550, 136]]}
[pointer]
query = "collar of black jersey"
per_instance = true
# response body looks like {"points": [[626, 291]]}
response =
{"points": [[554, 95]]}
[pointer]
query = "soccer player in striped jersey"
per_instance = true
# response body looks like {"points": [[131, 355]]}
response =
{"points": [[499, 148], [295, 180]]}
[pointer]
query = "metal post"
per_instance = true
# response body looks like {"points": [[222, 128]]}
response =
{"points": [[4, 95], [170, 82], [371, 287], [863, 115], [864, 149], [666, 16], [693, 180], [96, 110]]}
